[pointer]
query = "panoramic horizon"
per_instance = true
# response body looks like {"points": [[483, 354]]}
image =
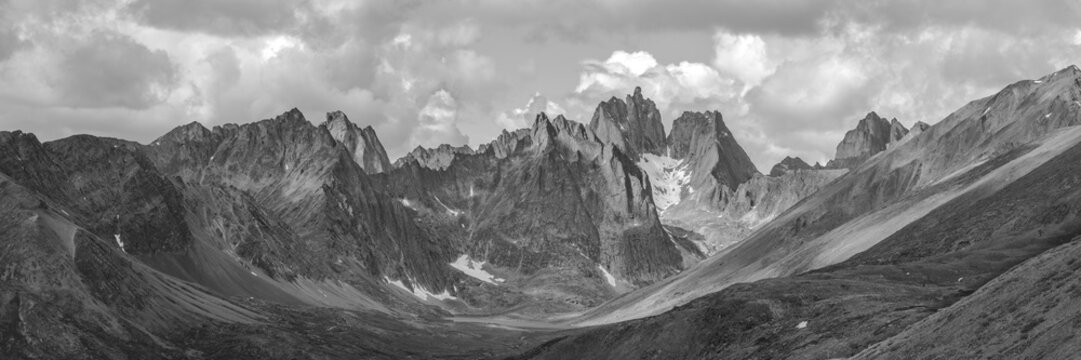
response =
{"points": [[533, 180], [790, 77]]}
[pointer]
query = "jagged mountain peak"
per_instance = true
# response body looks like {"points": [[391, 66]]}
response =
{"points": [[872, 135], [362, 143], [437, 158], [338, 117], [715, 157], [192, 131], [568, 135], [292, 115], [507, 143], [633, 125], [691, 123]]}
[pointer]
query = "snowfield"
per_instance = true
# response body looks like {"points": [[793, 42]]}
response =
{"points": [[474, 269], [420, 292], [608, 276], [668, 177]]}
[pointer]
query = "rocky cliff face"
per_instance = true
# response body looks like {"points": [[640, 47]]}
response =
{"points": [[716, 160], [633, 125], [284, 198], [872, 135], [560, 218], [367, 151]]}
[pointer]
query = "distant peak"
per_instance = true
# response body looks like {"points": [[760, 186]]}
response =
{"points": [[194, 125], [186, 132], [1069, 72], [541, 118], [293, 114], [337, 115], [789, 164]]}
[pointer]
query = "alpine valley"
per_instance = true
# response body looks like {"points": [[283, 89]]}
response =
{"points": [[613, 238]]}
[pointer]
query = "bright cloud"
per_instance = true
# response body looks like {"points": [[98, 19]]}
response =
{"points": [[523, 117], [789, 76], [674, 87]]}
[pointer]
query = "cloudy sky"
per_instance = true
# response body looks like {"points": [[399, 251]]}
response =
{"points": [[790, 76]]}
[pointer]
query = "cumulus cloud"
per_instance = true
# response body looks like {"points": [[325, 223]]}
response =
{"points": [[743, 57], [790, 76], [674, 87], [438, 121], [524, 116]]}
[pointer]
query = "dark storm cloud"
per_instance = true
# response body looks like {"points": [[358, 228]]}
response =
{"points": [[219, 17], [112, 70]]}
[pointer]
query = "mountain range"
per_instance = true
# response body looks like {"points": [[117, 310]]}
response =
{"points": [[288, 238]]}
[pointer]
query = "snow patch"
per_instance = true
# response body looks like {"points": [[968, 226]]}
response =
{"points": [[407, 203], [668, 177], [1037, 81], [419, 291], [119, 242], [802, 325], [1048, 115], [474, 269], [451, 212], [607, 276], [986, 110]]}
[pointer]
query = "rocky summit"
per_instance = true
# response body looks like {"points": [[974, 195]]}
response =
{"points": [[872, 135], [612, 239], [634, 125]]}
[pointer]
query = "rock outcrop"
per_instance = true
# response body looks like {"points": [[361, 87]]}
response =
{"points": [[362, 143], [633, 125], [871, 136]]}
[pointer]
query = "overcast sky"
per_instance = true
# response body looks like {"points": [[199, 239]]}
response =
{"points": [[790, 77]]}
